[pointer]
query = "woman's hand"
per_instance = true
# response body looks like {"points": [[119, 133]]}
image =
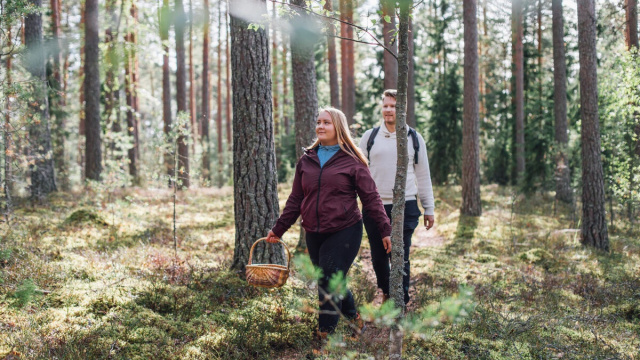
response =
{"points": [[386, 242], [272, 238]]}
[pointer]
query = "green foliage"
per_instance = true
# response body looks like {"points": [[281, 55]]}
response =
{"points": [[82, 216], [25, 292]]}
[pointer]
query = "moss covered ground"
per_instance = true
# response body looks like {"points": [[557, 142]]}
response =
{"points": [[94, 276]]}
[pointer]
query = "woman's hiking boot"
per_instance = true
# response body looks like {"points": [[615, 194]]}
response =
{"points": [[319, 342], [358, 326]]}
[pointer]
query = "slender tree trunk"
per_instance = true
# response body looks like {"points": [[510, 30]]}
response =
{"points": [[192, 84], [93, 147], [111, 91], [303, 71], [9, 148], [274, 68], [228, 82], [165, 24], [206, 97], [56, 103], [255, 180], [388, 31], [285, 86], [347, 62], [540, 57], [563, 175], [219, 100], [397, 214], [631, 29], [519, 86], [471, 204], [594, 224], [181, 94], [481, 66], [81, 114], [411, 86], [131, 84], [334, 85]]}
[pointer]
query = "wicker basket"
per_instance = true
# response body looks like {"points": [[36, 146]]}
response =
{"points": [[267, 275]]}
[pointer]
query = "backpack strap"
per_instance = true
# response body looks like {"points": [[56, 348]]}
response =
{"points": [[416, 144], [371, 139]]}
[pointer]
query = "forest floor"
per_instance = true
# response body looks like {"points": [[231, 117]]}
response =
{"points": [[93, 275]]}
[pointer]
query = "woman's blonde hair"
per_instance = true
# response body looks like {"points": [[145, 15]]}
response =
{"points": [[342, 132]]}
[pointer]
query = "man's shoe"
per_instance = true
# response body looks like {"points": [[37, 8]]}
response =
{"points": [[358, 326]]}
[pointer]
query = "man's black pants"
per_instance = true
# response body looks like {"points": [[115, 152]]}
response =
{"points": [[334, 252], [379, 256]]}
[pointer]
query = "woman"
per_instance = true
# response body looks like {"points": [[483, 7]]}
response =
{"points": [[328, 177]]}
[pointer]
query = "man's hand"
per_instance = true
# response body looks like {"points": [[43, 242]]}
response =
{"points": [[429, 220], [386, 242], [272, 238]]}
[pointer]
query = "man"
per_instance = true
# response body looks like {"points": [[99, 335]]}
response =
{"points": [[381, 151]]}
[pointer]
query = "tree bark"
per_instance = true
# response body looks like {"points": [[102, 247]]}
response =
{"points": [[227, 102], [81, 115], [131, 92], [631, 29], [206, 98], [181, 95], [594, 224], [111, 90], [274, 60], [397, 214], [411, 86], [563, 175], [219, 101], [192, 84], [93, 147], [347, 62], [9, 148], [517, 11], [254, 161], [165, 24], [303, 71], [285, 86], [388, 30], [471, 204], [56, 103], [334, 85]]}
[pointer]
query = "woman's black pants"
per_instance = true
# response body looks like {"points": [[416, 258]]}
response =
{"points": [[334, 252]]}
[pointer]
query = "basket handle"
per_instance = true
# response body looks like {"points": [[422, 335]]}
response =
{"points": [[264, 238]]}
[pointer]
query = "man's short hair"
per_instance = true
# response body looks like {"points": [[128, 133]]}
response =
{"points": [[390, 92]]}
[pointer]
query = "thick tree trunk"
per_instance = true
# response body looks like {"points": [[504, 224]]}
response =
{"points": [[594, 224], [56, 103], [181, 95], [254, 161], [347, 62], [334, 85], [303, 71], [471, 204], [274, 67], [411, 86], [388, 31], [131, 85], [397, 214], [206, 98], [563, 174], [219, 101], [93, 147], [631, 29], [165, 24], [517, 11]]}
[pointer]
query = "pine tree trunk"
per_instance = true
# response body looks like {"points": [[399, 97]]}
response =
{"points": [[192, 84], [285, 86], [397, 214], [594, 224], [347, 62], [303, 71], [274, 68], [631, 29], [93, 146], [334, 85], [206, 98], [519, 87], [131, 84], [9, 148], [181, 94], [228, 82], [165, 24], [563, 175], [111, 107], [56, 103], [219, 101], [81, 115], [254, 162], [388, 31], [411, 86], [471, 204]]}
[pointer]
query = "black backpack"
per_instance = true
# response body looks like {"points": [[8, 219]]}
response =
{"points": [[412, 133]]}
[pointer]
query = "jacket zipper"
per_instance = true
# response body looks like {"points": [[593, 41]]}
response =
{"points": [[318, 200]]}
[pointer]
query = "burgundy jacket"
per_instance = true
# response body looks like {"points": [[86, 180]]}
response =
{"points": [[326, 197]]}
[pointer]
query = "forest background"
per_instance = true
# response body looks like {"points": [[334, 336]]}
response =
{"points": [[105, 103]]}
